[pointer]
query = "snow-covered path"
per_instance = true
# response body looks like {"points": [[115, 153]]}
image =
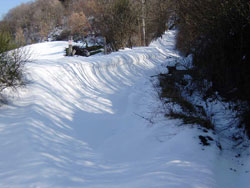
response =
{"points": [[81, 123]]}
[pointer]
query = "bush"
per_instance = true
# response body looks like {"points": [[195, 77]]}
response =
{"points": [[173, 86], [12, 61], [216, 32]]}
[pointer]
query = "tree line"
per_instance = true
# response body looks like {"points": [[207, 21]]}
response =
{"points": [[122, 22]]}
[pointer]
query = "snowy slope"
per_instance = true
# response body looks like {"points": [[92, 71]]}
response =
{"points": [[97, 122]]}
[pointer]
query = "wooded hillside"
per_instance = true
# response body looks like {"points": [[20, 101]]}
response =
{"points": [[123, 22]]}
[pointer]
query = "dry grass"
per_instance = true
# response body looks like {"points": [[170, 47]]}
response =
{"points": [[189, 119], [171, 91]]}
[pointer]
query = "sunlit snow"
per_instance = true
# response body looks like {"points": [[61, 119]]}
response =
{"points": [[96, 122]]}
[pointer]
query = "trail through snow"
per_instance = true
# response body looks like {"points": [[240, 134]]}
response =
{"points": [[87, 122]]}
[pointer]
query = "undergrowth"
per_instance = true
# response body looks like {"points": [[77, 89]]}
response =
{"points": [[189, 119], [187, 96], [175, 92]]}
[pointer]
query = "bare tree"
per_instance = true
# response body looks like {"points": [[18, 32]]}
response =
{"points": [[78, 24], [117, 21]]}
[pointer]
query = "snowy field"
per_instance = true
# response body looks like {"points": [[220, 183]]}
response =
{"points": [[97, 122]]}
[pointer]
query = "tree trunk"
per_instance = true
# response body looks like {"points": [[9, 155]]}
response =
{"points": [[143, 22]]}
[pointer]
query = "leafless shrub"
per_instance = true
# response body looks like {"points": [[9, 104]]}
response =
{"points": [[12, 61]]}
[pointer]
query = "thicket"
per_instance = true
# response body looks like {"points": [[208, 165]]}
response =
{"points": [[117, 21], [175, 93], [12, 62], [216, 32], [127, 23]]}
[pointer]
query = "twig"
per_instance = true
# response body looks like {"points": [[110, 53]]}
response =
{"points": [[147, 119]]}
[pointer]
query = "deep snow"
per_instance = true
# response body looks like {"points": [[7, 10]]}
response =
{"points": [[97, 122]]}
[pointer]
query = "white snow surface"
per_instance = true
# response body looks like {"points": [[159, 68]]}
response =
{"points": [[97, 122]]}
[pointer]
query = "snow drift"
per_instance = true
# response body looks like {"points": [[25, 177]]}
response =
{"points": [[96, 122]]}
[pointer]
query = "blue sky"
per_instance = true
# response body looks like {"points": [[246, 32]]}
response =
{"points": [[5, 6]]}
